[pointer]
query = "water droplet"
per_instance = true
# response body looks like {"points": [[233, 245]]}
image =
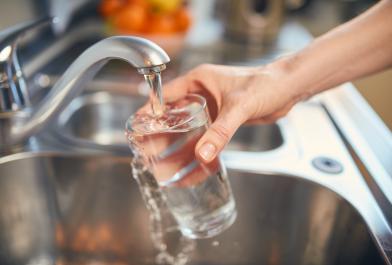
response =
{"points": [[215, 243]]}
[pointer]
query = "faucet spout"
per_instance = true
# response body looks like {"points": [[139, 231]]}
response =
{"points": [[138, 52]]}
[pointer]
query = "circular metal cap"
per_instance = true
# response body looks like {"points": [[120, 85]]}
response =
{"points": [[327, 165]]}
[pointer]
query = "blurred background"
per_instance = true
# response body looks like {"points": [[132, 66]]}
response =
{"points": [[241, 32]]}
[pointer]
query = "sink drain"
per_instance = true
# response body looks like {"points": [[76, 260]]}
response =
{"points": [[327, 165]]}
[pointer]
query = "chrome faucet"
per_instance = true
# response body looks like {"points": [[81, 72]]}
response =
{"points": [[13, 92], [20, 122]]}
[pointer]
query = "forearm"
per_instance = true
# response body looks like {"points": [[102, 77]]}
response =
{"points": [[353, 50], [264, 94]]}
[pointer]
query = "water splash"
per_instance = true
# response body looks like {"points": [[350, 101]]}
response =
{"points": [[172, 247]]}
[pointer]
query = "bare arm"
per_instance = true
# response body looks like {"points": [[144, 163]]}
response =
{"points": [[238, 94], [355, 49]]}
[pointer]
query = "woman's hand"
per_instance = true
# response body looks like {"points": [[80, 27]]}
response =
{"points": [[263, 94], [235, 95]]}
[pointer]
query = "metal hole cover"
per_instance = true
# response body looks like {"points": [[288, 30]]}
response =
{"points": [[327, 165]]}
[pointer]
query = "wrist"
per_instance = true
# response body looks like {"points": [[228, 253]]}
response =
{"points": [[292, 82]]}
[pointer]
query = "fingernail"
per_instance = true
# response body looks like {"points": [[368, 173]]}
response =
{"points": [[207, 151]]}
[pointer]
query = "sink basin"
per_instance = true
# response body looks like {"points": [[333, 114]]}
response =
{"points": [[97, 120], [256, 138], [57, 209]]}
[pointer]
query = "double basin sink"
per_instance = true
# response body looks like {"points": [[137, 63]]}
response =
{"points": [[76, 203], [83, 207]]}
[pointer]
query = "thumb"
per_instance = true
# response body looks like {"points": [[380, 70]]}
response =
{"points": [[219, 133]]}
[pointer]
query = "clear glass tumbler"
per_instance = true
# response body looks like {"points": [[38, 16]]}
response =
{"points": [[198, 195]]}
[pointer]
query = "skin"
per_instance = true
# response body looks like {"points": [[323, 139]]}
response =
{"points": [[237, 95]]}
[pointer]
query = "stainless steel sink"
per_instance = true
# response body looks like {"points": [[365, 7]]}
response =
{"points": [[79, 123], [97, 119], [58, 209], [256, 138], [86, 209]]}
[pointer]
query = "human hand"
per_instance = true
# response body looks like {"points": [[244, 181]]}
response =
{"points": [[235, 95]]}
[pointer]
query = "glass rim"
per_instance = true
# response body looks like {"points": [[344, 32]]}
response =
{"points": [[203, 107]]}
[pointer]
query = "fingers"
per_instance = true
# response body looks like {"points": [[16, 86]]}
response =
{"points": [[191, 83], [220, 133], [188, 83], [172, 91], [176, 89]]}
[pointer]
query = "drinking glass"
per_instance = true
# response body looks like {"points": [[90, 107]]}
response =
{"points": [[198, 195]]}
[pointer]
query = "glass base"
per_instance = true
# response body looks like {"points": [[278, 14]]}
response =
{"points": [[212, 226]]}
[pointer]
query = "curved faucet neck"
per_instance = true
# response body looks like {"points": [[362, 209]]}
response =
{"points": [[138, 52]]}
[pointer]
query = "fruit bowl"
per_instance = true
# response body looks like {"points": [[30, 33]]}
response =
{"points": [[164, 22]]}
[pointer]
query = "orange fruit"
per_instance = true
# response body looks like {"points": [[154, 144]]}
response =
{"points": [[143, 3], [183, 19], [130, 19], [109, 7], [161, 24]]}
